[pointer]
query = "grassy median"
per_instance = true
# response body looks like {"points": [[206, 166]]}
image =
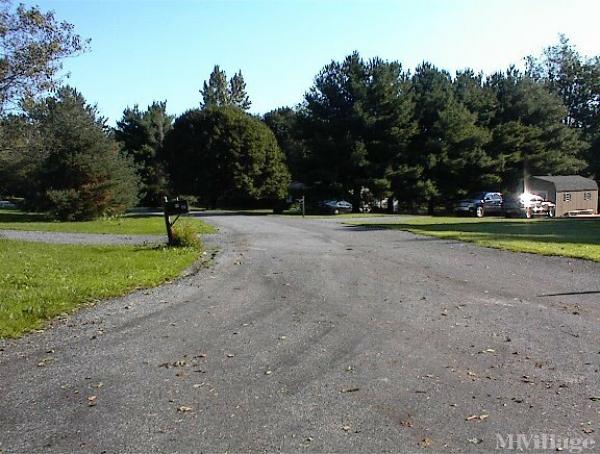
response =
{"points": [[578, 238], [39, 281], [130, 225]]}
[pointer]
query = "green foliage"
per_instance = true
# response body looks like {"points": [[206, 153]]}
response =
{"points": [[141, 135], [222, 154], [528, 135], [185, 234], [83, 174], [39, 281], [355, 120], [447, 157], [576, 81], [33, 44], [284, 124], [20, 155], [237, 92], [218, 92]]}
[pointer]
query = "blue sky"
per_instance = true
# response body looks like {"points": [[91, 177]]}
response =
{"points": [[155, 50]]}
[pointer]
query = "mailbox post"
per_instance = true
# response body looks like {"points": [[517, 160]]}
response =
{"points": [[171, 208]]}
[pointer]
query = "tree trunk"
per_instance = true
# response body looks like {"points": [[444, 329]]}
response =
{"points": [[356, 201], [390, 204], [430, 208]]}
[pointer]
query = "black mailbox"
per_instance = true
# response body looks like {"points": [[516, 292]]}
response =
{"points": [[176, 207]]}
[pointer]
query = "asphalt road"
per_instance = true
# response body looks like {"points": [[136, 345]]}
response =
{"points": [[312, 336]]}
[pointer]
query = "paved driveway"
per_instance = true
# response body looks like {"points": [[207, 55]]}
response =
{"points": [[312, 336]]}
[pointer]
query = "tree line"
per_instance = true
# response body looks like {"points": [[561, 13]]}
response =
{"points": [[367, 129], [428, 137]]}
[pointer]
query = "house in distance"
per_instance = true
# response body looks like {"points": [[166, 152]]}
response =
{"points": [[573, 194]]}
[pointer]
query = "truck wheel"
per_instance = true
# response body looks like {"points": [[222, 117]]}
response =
{"points": [[551, 212], [528, 213], [479, 212]]}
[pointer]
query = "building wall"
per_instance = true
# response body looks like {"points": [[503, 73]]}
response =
{"points": [[578, 201]]}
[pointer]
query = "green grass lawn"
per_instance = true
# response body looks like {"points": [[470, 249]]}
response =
{"points": [[578, 238], [132, 225], [336, 216], [39, 281]]}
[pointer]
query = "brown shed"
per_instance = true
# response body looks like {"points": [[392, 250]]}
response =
{"points": [[573, 194]]}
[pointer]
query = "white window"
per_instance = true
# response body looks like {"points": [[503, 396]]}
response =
{"points": [[567, 197], [587, 196]]}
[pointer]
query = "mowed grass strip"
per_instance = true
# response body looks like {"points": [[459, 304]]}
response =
{"points": [[579, 238], [128, 225], [39, 281]]}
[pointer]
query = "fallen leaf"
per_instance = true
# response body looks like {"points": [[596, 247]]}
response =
{"points": [[229, 355], [346, 428], [595, 398], [184, 409], [588, 430], [350, 390], [92, 401], [268, 372], [477, 417], [475, 440], [425, 442]]}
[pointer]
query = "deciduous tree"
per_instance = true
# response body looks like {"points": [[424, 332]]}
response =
{"points": [[223, 155]]}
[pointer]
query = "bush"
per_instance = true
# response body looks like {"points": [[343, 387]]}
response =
{"points": [[223, 156], [186, 235], [83, 175]]}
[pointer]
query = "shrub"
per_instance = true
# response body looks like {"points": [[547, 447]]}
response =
{"points": [[83, 175], [186, 235]]}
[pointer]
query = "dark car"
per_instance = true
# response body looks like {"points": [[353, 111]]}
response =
{"points": [[527, 206], [480, 204], [335, 206]]}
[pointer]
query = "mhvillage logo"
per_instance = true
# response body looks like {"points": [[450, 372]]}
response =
{"points": [[541, 442]]}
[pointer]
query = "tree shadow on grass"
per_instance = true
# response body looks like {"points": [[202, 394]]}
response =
{"points": [[12, 215], [574, 231]]}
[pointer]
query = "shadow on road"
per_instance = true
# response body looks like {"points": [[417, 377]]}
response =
{"points": [[589, 292]]}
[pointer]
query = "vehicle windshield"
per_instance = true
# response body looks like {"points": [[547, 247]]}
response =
{"points": [[477, 196]]}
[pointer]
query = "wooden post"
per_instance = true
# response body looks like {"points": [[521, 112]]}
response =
{"points": [[168, 224], [303, 205]]}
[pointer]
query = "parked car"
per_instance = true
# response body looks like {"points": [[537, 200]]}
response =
{"points": [[528, 205], [335, 206], [480, 204], [7, 204]]}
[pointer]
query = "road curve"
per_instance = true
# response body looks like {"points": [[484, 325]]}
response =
{"points": [[312, 336]]}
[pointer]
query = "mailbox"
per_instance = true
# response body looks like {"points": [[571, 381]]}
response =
{"points": [[173, 207]]}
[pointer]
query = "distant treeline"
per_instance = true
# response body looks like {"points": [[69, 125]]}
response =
{"points": [[366, 129]]}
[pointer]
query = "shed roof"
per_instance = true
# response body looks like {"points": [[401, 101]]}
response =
{"points": [[569, 182]]}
